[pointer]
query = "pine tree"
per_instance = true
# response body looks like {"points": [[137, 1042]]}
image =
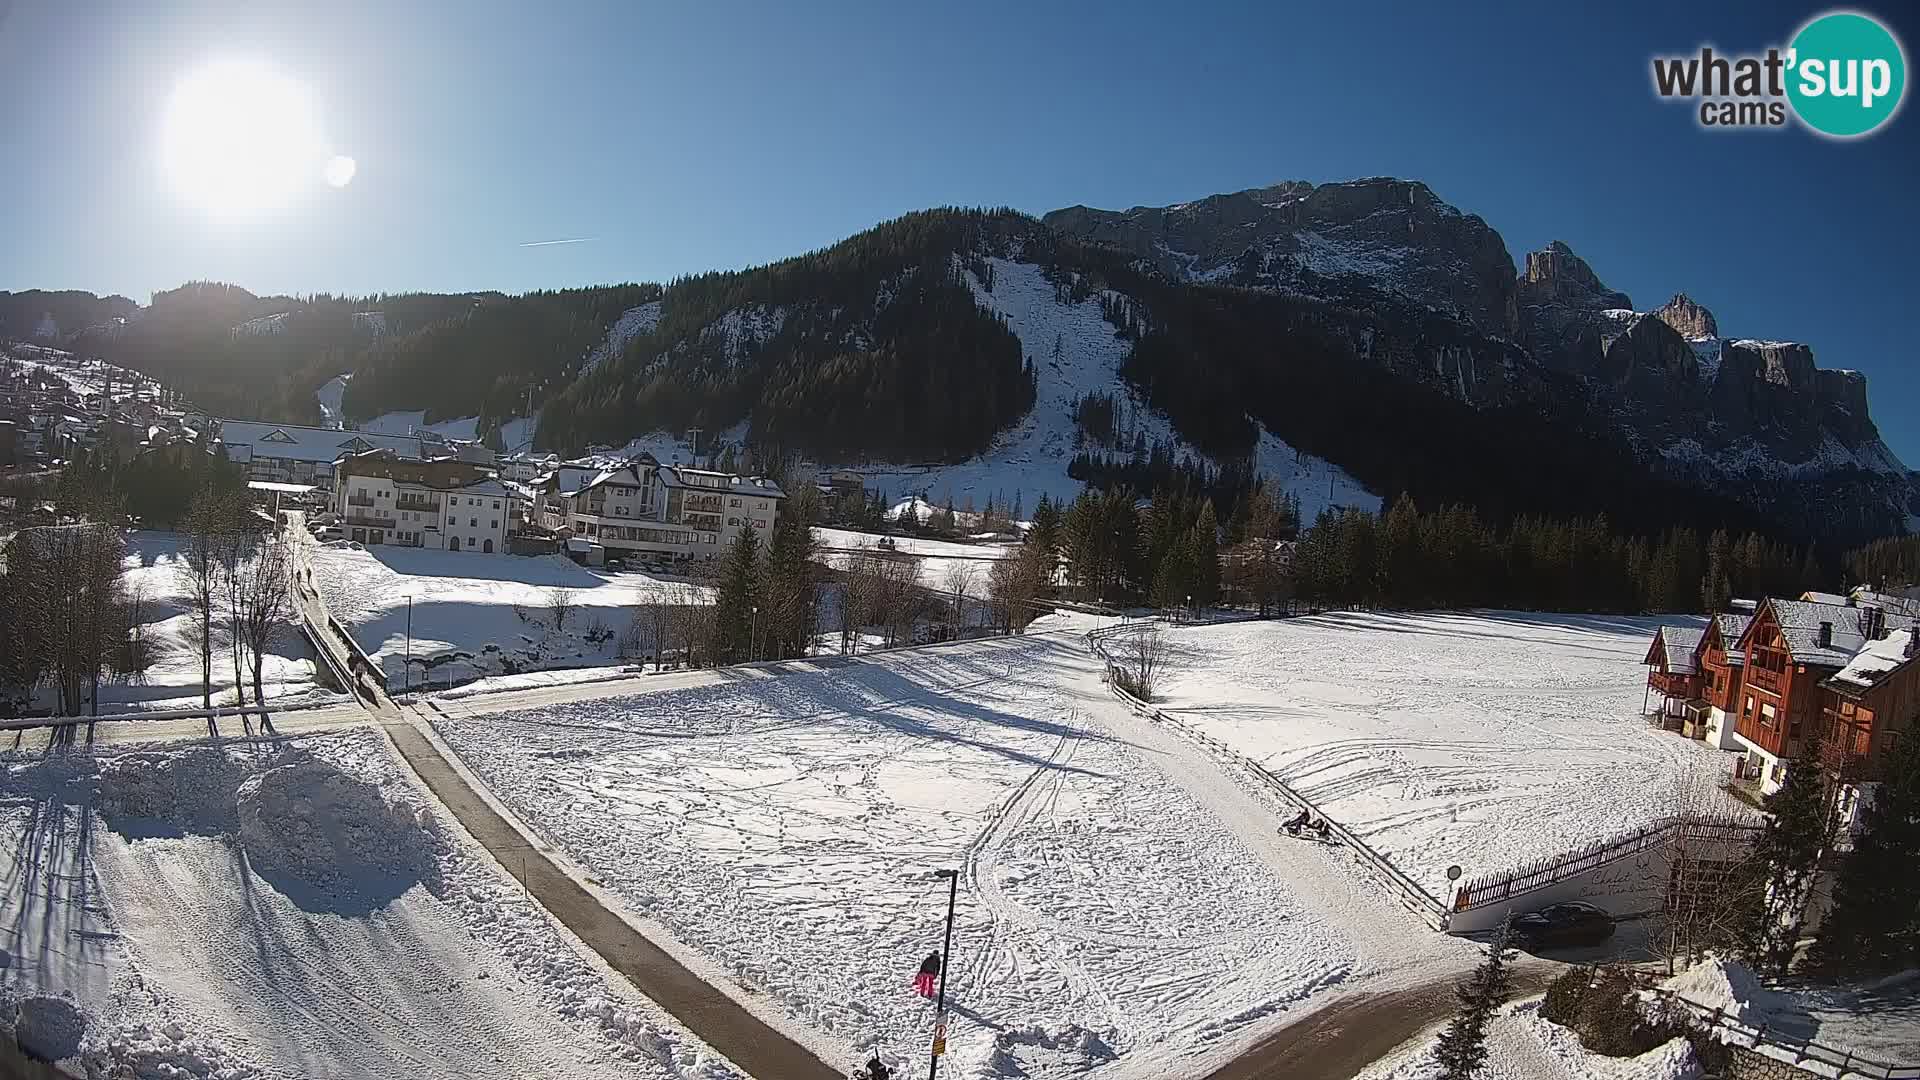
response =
{"points": [[1205, 556], [1789, 849], [1463, 1046], [1874, 924], [738, 594], [1717, 588], [1399, 569]]}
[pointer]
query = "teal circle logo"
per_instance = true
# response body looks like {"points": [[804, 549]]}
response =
{"points": [[1846, 74]]}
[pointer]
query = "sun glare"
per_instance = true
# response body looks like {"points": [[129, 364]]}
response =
{"points": [[240, 138]]}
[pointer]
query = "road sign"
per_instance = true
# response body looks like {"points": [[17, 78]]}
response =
{"points": [[1453, 872], [939, 1038]]}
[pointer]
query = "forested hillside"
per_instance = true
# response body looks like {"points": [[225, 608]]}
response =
{"points": [[874, 347]]}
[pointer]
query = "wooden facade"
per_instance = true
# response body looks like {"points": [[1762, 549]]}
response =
{"points": [[1780, 695], [1861, 722], [1671, 669], [1722, 668]]}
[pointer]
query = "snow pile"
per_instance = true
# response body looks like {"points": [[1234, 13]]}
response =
{"points": [[163, 1052], [1523, 1045], [309, 819], [1727, 986], [190, 787], [49, 1028], [1061, 1048]]}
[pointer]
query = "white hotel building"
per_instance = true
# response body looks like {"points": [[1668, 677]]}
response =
{"points": [[442, 503], [653, 511]]}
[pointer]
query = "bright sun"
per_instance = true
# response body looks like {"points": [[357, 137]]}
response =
{"points": [[240, 138]]}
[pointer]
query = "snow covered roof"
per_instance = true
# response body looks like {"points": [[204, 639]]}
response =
{"points": [[1800, 622], [294, 442], [1875, 661], [681, 476], [1679, 643], [1732, 628], [1823, 597]]}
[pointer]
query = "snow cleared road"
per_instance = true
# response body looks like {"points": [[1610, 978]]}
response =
{"points": [[1124, 906]]}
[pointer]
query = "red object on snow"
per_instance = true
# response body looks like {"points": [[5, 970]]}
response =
{"points": [[923, 984]]}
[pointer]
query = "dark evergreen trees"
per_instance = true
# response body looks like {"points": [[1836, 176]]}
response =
{"points": [[1790, 848], [1463, 1045], [1874, 924], [735, 620]]}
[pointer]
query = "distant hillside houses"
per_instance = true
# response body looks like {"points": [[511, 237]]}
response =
{"points": [[651, 512], [294, 454]]}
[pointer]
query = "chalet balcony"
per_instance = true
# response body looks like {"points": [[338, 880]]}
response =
{"points": [[429, 505], [703, 503], [1766, 679], [1674, 685], [359, 500], [368, 521]]}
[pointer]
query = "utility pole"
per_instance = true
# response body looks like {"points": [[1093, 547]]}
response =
{"points": [[407, 682], [946, 962], [753, 635]]}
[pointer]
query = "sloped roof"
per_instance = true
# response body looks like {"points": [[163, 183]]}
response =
{"points": [[1811, 596], [1874, 662], [1680, 643], [1800, 624], [1732, 628], [294, 442]]}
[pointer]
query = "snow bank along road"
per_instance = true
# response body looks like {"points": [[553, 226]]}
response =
{"points": [[1125, 906], [290, 908]]}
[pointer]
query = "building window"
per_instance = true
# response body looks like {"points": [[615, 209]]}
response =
{"points": [[496, 504], [473, 523], [451, 522], [733, 502], [494, 524]]}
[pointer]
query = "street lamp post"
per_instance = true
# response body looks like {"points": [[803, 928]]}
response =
{"points": [[407, 680], [946, 962], [753, 636]]}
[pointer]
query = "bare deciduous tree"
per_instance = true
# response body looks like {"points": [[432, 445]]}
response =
{"points": [[198, 570], [559, 604], [959, 582], [1142, 656], [263, 606], [1715, 887]]}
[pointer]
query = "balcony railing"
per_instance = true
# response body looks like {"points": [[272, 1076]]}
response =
{"points": [[357, 500], [1765, 678], [702, 502], [417, 504]]}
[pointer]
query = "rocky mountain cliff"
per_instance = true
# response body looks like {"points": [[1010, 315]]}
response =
{"points": [[1755, 419]]}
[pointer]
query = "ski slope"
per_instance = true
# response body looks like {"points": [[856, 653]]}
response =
{"points": [[787, 825], [1479, 739], [1031, 458], [296, 909]]}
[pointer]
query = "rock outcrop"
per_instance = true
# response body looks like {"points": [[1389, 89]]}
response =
{"points": [[1336, 241], [1689, 319]]}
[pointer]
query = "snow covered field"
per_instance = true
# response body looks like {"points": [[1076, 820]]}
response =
{"points": [[787, 824], [173, 679], [1483, 739], [939, 559], [1523, 1045], [463, 602], [292, 909]]}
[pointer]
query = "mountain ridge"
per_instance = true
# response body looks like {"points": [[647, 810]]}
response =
{"points": [[1375, 295]]}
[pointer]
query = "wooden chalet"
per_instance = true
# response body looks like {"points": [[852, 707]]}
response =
{"points": [[1791, 647], [1673, 672], [1870, 704], [1722, 674]]}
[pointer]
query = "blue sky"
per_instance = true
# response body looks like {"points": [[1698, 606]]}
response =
{"points": [[708, 135]]}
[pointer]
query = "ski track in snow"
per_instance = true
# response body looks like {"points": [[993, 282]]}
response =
{"points": [[1479, 739], [788, 828]]}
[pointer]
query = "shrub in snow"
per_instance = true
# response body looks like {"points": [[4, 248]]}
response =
{"points": [[1725, 985], [308, 819], [49, 1028]]}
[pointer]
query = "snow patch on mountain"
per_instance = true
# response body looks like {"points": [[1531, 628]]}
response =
{"points": [[632, 323], [1706, 353], [1075, 352], [1365, 258], [329, 396], [1752, 458], [414, 422]]}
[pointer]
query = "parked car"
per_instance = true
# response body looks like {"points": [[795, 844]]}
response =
{"points": [[1573, 923]]}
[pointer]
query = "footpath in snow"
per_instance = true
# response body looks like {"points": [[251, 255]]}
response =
{"points": [[291, 908], [787, 826], [1483, 739]]}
